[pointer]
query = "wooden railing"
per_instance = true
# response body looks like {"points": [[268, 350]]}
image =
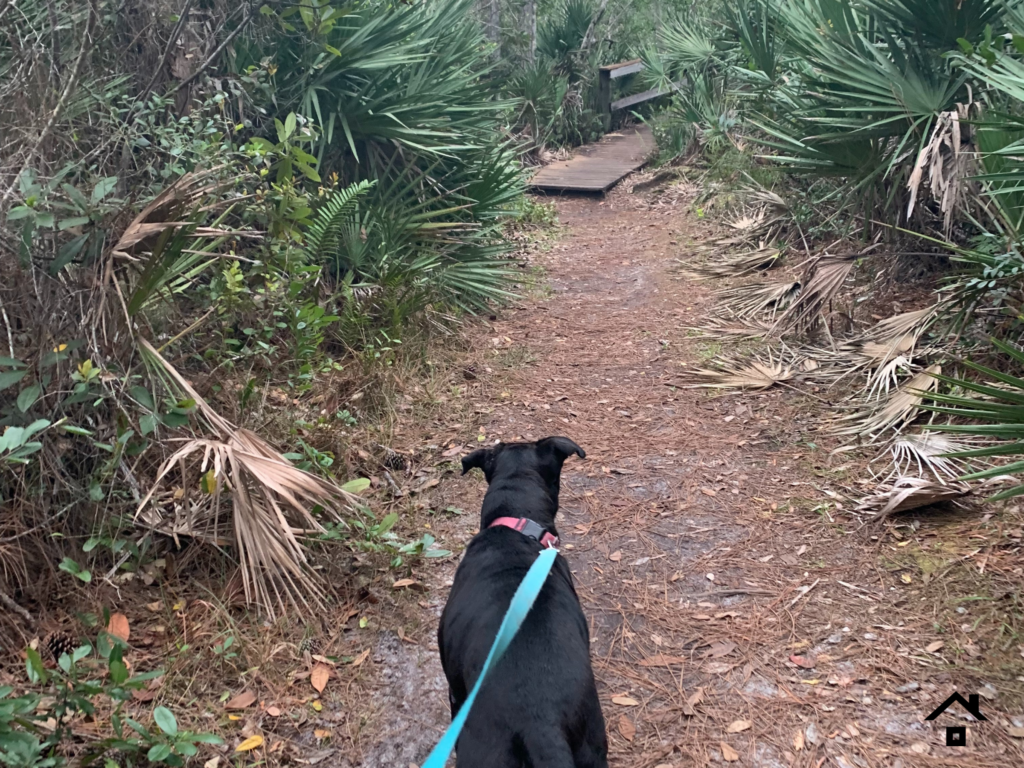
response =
{"points": [[610, 72]]}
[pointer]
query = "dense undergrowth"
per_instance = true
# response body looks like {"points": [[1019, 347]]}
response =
{"points": [[870, 154]]}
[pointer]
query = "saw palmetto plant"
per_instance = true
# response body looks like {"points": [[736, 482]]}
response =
{"points": [[993, 408]]}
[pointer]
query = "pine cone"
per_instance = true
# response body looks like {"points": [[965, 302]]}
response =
{"points": [[394, 460], [59, 643], [310, 644]]}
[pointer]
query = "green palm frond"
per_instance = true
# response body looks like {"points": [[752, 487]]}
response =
{"points": [[331, 218], [941, 23], [996, 411]]}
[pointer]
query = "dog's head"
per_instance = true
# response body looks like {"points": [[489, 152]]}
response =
{"points": [[544, 457]]}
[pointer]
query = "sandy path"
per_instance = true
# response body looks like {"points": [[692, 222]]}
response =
{"points": [[694, 529]]}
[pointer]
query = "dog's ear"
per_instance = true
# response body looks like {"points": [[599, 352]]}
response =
{"points": [[479, 458], [562, 447]]}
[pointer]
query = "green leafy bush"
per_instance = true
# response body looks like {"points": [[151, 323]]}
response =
{"points": [[36, 726]]}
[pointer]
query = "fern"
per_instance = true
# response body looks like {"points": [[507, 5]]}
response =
{"points": [[322, 239]]}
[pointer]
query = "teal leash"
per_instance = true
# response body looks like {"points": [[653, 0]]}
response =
{"points": [[522, 602]]}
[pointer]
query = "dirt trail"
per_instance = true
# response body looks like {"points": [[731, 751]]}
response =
{"points": [[737, 615]]}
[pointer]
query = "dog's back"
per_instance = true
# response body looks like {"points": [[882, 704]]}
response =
{"points": [[538, 707]]}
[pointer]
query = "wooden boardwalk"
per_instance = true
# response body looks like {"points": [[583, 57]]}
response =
{"points": [[598, 167]]}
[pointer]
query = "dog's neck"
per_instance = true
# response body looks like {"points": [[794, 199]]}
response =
{"points": [[514, 499]]}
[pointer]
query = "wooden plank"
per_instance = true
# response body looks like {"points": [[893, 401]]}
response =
{"points": [[598, 167], [638, 98], [628, 69], [613, 67]]}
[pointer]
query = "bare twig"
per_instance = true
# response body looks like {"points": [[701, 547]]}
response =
{"points": [[213, 56], [9, 601], [733, 593], [175, 33], [61, 102], [587, 41], [6, 8], [7, 323], [804, 591]]}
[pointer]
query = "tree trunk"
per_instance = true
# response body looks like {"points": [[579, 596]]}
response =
{"points": [[492, 24], [530, 28]]}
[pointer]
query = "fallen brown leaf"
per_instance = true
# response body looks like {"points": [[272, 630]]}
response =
{"points": [[625, 701], [806, 662], [626, 728], [1017, 733], [729, 754], [241, 701], [319, 676], [273, 711], [118, 626], [433, 482], [798, 741], [403, 583], [615, 556], [690, 705], [933, 647], [361, 658], [708, 492], [737, 726], [720, 648], [321, 733]]}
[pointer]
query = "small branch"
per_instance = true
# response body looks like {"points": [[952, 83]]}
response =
{"points": [[61, 102], [175, 33], [733, 593], [804, 591], [213, 56], [6, 8], [11, 605], [587, 42], [7, 322]]}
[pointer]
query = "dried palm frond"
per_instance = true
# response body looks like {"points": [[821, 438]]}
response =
{"points": [[752, 374], [756, 223], [768, 198], [764, 257], [885, 367], [822, 282], [174, 202], [907, 493], [949, 164], [738, 328], [270, 503], [908, 325], [889, 345], [901, 408], [885, 350], [747, 301], [917, 454]]}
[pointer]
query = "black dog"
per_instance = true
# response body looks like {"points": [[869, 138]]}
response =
{"points": [[538, 707]]}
